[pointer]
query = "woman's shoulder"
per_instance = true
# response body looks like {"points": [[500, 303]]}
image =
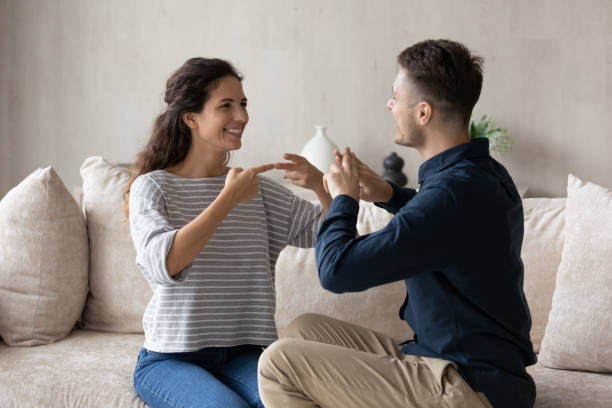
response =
{"points": [[147, 184], [273, 189]]}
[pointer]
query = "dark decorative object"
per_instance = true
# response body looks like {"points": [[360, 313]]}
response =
{"points": [[393, 170]]}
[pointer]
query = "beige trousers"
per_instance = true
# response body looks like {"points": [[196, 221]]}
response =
{"points": [[329, 363]]}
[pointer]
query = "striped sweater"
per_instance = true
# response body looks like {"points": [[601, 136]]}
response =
{"points": [[225, 297]]}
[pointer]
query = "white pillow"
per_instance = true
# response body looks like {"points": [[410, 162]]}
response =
{"points": [[43, 261], [579, 331], [119, 292]]}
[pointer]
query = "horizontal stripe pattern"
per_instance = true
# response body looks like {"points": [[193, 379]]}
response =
{"points": [[226, 296]]}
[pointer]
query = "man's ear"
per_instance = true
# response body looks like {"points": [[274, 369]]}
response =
{"points": [[189, 119], [424, 112]]}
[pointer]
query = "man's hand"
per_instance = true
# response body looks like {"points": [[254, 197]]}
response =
{"points": [[372, 187], [343, 176]]}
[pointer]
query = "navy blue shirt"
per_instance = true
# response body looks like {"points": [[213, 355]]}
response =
{"points": [[456, 243]]}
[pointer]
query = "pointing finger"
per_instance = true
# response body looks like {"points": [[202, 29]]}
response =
{"points": [[284, 166], [262, 168]]}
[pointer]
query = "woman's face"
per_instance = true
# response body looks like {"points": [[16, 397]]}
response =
{"points": [[222, 120]]}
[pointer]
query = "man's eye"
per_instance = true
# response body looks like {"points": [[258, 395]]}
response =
{"points": [[243, 104], [225, 105]]}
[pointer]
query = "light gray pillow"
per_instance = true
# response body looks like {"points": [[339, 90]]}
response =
{"points": [[118, 293], [43, 261], [541, 254], [579, 330]]}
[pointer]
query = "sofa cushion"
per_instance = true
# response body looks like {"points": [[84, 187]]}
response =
{"points": [[119, 292], [541, 254], [579, 330], [570, 389], [43, 261], [86, 369], [298, 289]]}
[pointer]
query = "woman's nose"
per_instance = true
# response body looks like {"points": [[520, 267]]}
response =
{"points": [[241, 115], [390, 104]]}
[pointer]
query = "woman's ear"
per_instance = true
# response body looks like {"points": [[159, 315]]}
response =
{"points": [[189, 119]]}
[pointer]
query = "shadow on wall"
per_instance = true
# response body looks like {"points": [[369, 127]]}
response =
{"points": [[526, 158]]}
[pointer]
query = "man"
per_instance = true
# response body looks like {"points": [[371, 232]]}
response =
{"points": [[456, 243]]}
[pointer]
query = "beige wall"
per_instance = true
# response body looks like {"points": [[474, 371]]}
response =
{"points": [[81, 78]]}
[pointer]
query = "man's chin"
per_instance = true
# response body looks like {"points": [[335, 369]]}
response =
{"points": [[398, 140]]}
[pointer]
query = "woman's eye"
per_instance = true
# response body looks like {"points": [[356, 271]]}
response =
{"points": [[243, 104], [225, 106]]}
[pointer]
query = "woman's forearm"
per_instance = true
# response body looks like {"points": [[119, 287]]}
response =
{"points": [[324, 198], [190, 239]]}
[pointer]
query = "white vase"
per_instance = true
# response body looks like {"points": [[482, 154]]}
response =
{"points": [[319, 150]]}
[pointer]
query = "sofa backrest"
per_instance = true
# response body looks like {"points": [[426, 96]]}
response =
{"points": [[119, 293]]}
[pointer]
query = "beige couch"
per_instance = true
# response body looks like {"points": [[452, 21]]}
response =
{"points": [[92, 365]]}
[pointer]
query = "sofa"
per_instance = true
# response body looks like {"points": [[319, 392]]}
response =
{"points": [[71, 297]]}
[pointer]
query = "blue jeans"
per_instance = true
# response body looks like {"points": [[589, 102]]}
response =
{"points": [[210, 378]]}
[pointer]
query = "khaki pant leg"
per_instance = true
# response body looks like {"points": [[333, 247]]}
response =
{"points": [[325, 329], [300, 373]]}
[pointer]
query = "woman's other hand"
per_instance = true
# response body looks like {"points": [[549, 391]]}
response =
{"points": [[301, 172]]}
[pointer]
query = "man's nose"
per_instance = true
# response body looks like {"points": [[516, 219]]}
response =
{"points": [[390, 104]]}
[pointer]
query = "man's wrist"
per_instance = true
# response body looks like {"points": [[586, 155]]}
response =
{"points": [[387, 193], [348, 194]]}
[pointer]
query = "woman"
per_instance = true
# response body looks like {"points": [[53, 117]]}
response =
{"points": [[207, 239]]}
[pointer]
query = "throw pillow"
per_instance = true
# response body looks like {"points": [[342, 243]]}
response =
{"points": [[541, 254], [579, 330], [43, 261], [119, 292]]}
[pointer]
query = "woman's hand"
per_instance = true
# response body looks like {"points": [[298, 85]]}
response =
{"points": [[242, 185], [301, 172]]}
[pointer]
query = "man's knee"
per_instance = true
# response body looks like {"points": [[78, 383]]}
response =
{"points": [[275, 358], [302, 326]]}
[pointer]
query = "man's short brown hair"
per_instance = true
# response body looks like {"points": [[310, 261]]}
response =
{"points": [[446, 74]]}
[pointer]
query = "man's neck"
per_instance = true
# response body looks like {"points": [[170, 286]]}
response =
{"points": [[438, 141]]}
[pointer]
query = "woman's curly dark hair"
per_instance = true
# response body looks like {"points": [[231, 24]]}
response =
{"points": [[187, 90]]}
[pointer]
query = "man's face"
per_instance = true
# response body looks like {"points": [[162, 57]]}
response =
{"points": [[403, 105]]}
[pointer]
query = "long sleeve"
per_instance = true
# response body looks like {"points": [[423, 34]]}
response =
{"points": [[399, 199], [406, 246], [304, 221], [152, 234]]}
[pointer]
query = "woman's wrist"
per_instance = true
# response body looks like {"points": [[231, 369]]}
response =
{"points": [[227, 198]]}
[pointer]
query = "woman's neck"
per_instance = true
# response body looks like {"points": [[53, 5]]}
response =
{"points": [[201, 164]]}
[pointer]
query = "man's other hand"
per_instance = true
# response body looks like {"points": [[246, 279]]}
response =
{"points": [[372, 187], [343, 176]]}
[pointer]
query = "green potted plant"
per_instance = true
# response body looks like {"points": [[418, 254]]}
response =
{"points": [[499, 141]]}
